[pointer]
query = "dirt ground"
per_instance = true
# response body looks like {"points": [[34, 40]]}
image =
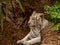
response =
{"points": [[50, 37], [12, 33]]}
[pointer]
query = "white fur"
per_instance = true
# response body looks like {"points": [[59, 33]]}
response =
{"points": [[36, 24]]}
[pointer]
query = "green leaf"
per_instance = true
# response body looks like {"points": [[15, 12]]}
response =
{"points": [[56, 27], [53, 11], [51, 23], [58, 16]]}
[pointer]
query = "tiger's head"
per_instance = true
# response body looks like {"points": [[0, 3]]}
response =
{"points": [[36, 19]]}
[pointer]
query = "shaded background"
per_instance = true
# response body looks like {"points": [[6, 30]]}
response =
{"points": [[17, 27]]}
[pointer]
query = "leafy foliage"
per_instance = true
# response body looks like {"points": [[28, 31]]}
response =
{"points": [[56, 27], [53, 13]]}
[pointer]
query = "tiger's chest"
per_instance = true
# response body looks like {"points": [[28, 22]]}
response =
{"points": [[35, 32]]}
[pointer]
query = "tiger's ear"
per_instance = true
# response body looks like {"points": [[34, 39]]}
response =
{"points": [[41, 15], [34, 12]]}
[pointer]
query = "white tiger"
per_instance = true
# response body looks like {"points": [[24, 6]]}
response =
{"points": [[36, 23]]}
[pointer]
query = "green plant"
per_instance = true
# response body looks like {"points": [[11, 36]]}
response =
{"points": [[53, 13], [56, 27]]}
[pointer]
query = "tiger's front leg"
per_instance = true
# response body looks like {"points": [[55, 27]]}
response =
{"points": [[25, 38], [33, 41]]}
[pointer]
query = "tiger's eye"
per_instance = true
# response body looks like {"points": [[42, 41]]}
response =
{"points": [[32, 18]]}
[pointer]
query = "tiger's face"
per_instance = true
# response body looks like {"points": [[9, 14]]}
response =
{"points": [[36, 19]]}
